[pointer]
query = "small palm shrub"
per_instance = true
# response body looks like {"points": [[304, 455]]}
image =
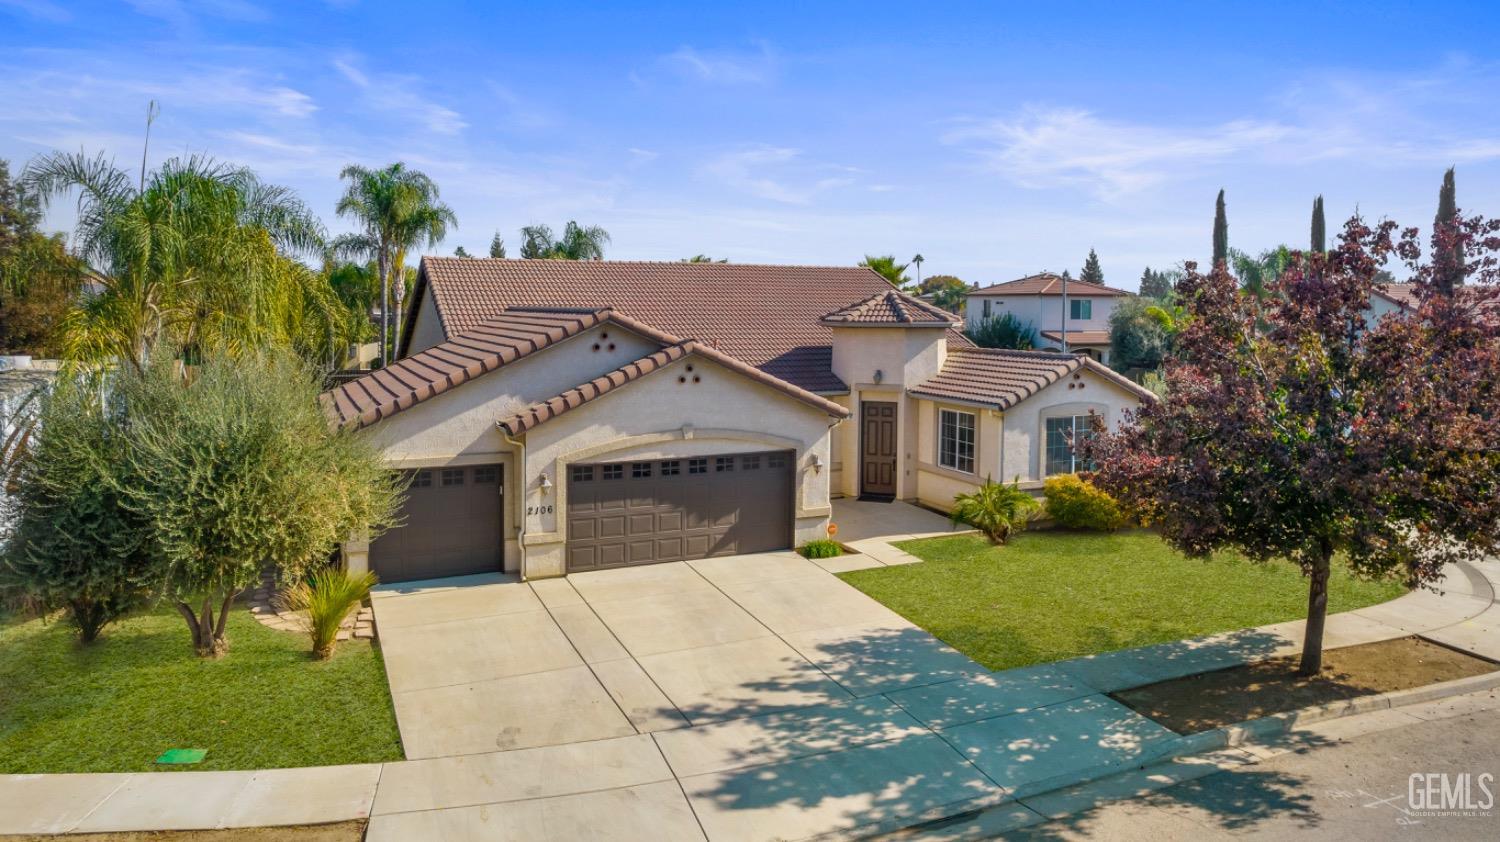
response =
{"points": [[821, 548], [1076, 503], [996, 509], [328, 596]]}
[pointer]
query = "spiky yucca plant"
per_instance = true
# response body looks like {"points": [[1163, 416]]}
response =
{"points": [[328, 596], [996, 509]]}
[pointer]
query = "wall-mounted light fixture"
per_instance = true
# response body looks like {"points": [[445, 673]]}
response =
{"points": [[816, 463], [879, 376], [544, 484]]}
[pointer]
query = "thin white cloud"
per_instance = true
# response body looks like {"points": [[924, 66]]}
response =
{"points": [[40, 9], [776, 173], [1066, 146], [398, 94], [720, 66], [182, 15], [1436, 118]]}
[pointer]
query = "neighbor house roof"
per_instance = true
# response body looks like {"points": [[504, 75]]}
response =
{"points": [[492, 343], [544, 411], [1002, 379], [1079, 337], [890, 309], [1046, 283], [1402, 295], [767, 316]]}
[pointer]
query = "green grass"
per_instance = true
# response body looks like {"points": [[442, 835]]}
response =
{"points": [[117, 704], [1058, 594]]}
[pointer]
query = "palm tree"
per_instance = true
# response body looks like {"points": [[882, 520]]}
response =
{"points": [[398, 210], [887, 267], [197, 254], [1256, 273], [577, 242]]}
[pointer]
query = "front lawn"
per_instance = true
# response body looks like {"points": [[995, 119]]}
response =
{"points": [[119, 703], [1056, 594]]}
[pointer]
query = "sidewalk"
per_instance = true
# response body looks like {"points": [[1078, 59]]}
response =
{"points": [[879, 762]]}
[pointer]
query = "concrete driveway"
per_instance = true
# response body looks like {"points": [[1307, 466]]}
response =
{"points": [[483, 664], [751, 697]]}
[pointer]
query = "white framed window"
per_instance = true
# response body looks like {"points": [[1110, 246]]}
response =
{"points": [[1064, 435], [986, 308], [956, 440], [1080, 309]]}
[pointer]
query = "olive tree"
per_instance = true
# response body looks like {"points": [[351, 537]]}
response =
{"points": [[239, 469], [73, 545]]}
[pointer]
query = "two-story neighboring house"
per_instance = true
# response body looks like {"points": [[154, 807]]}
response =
{"points": [[1039, 300], [558, 416]]}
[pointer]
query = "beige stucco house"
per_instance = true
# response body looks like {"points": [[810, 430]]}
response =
{"points": [[560, 416]]}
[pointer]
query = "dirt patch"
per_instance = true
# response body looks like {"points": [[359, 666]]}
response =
{"points": [[337, 832], [1214, 699]]}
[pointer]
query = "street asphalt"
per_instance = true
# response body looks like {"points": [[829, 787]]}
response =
{"points": [[1355, 789]]}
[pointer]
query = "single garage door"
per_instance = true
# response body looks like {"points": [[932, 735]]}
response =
{"points": [[628, 513], [452, 526]]}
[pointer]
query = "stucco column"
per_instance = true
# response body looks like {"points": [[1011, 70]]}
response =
{"points": [[357, 555]]}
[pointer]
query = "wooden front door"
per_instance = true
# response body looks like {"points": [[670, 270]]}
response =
{"points": [[877, 449]]}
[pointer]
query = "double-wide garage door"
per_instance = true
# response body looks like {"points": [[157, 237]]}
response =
{"points": [[452, 526], [627, 513]]}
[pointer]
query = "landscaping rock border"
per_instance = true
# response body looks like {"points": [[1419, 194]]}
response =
{"points": [[266, 606]]}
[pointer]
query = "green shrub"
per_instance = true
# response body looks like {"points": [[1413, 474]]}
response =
{"points": [[328, 596], [1006, 330], [1076, 503], [238, 470], [75, 546], [996, 509], [821, 548]]}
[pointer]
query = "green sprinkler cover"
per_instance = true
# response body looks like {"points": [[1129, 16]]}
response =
{"points": [[181, 756]]}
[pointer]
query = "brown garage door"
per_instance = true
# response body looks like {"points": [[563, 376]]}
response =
{"points": [[452, 526], [626, 513]]}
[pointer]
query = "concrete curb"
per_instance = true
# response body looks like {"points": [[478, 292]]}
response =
{"points": [[1198, 746]]}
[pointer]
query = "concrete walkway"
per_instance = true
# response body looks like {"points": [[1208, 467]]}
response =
{"points": [[748, 698]]}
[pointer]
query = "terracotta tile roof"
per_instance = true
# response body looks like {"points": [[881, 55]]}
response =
{"points": [[1046, 283], [1003, 379], [544, 411], [767, 316], [492, 343], [890, 308], [1079, 337], [1402, 295]]}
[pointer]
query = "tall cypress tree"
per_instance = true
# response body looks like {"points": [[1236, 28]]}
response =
{"points": [[1448, 257], [1319, 230], [1221, 232], [1092, 272]]}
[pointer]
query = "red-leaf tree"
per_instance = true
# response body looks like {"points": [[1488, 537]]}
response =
{"points": [[1297, 425]]}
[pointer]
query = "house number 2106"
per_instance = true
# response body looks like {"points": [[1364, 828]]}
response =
{"points": [[538, 510]]}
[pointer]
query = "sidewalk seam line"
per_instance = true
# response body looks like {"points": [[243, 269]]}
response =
{"points": [[574, 647], [680, 788]]}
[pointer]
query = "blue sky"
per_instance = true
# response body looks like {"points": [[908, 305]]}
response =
{"points": [[996, 139]]}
